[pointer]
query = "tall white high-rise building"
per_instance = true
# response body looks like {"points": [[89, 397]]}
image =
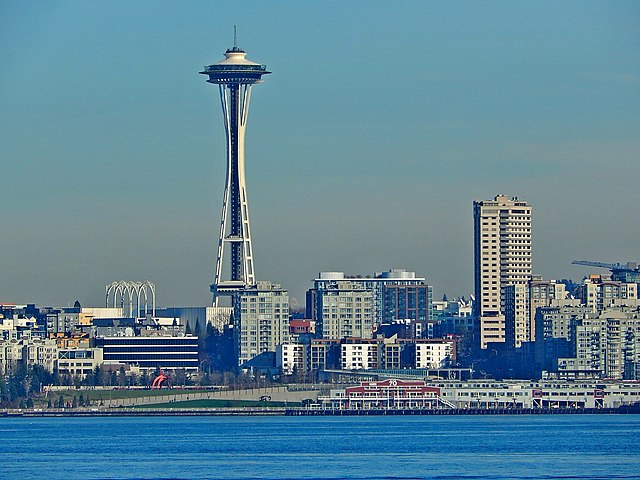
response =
{"points": [[502, 253]]}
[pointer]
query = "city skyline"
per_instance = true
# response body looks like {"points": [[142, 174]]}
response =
{"points": [[354, 166]]}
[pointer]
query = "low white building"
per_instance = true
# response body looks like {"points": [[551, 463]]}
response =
{"points": [[434, 354], [291, 357], [483, 394], [540, 394], [87, 314], [360, 355], [79, 362]]}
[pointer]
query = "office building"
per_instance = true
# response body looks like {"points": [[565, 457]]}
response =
{"points": [[151, 351], [79, 362]]}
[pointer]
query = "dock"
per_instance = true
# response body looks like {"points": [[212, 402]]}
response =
{"points": [[304, 411], [460, 411]]}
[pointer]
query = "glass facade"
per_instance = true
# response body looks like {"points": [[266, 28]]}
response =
{"points": [[151, 352], [406, 302]]}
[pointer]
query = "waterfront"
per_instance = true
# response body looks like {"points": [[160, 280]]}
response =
{"points": [[523, 447]]}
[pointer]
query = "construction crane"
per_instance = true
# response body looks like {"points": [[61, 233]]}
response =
{"points": [[629, 273]]}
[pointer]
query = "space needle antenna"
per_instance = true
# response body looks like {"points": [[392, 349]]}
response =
{"points": [[235, 38]]}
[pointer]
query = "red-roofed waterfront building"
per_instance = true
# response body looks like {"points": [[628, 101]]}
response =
{"points": [[386, 394]]}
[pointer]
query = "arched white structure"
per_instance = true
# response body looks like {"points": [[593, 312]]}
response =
{"points": [[125, 294]]}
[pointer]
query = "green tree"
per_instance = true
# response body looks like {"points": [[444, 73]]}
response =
{"points": [[4, 393], [216, 377], [228, 378], [212, 331], [97, 375], [90, 379], [144, 379], [38, 376], [122, 377], [18, 383], [180, 377], [55, 378], [60, 401]]}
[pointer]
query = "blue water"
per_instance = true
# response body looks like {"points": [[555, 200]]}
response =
{"points": [[502, 447]]}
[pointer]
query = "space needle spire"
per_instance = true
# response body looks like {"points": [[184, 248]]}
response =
{"points": [[235, 75]]}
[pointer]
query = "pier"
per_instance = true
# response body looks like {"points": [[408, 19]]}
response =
{"points": [[304, 411], [459, 411]]}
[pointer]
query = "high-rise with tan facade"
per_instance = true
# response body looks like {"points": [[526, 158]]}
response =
{"points": [[502, 254], [260, 320], [520, 304]]}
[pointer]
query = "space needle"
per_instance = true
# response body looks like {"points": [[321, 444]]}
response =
{"points": [[235, 75]]}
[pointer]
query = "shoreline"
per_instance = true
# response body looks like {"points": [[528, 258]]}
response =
{"points": [[297, 412]]}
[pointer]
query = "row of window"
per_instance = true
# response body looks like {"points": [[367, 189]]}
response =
{"points": [[143, 341], [159, 350], [136, 357]]}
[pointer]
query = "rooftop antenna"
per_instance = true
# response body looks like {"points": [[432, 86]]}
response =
{"points": [[235, 38]]}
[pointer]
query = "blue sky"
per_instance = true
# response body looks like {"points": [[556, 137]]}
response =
{"points": [[381, 123]]}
